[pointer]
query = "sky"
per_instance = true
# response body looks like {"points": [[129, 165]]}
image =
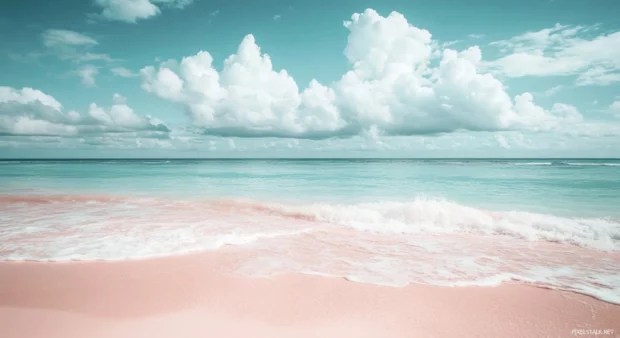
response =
{"points": [[389, 78]]}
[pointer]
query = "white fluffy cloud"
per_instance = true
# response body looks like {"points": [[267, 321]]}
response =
{"points": [[247, 97], [391, 88], [30, 112], [133, 10], [561, 51]]}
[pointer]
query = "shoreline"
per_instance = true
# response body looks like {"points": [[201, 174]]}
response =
{"points": [[188, 295]]}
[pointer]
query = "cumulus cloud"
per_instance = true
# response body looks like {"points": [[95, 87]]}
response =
{"points": [[392, 88], [248, 97], [131, 11], [30, 112], [561, 51]]}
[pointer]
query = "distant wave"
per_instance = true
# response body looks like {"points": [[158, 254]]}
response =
{"points": [[595, 164], [562, 163], [155, 162], [534, 163]]}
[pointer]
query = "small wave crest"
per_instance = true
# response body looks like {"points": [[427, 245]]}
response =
{"points": [[424, 215], [418, 216], [564, 163], [533, 163]]}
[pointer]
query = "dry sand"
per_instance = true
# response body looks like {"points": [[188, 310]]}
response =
{"points": [[190, 296]]}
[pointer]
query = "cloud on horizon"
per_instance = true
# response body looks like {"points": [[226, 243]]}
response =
{"points": [[29, 112]]}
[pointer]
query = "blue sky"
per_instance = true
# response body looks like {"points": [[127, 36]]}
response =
{"points": [[183, 78]]}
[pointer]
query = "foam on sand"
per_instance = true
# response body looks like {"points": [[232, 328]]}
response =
{"points": [[430, 241], [186, 296]]}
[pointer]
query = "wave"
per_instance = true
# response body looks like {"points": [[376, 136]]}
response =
{"points": [[119, 248], [155, 162], [438, 216], [595, 164], [425, 240], [562, 163], [534, 164], [418, 216]]}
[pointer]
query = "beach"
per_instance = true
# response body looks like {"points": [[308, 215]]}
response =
{"points": [[346, 169], [309, 248], [187, 296]]}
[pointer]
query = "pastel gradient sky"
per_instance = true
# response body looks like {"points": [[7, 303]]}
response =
{"points": [[215, 78]]}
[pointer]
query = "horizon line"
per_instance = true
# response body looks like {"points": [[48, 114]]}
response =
{"points": [[299, 158]]}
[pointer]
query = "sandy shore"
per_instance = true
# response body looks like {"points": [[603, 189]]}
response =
{"points": [[189, 296]]}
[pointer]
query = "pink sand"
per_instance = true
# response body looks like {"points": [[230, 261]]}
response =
{"points": [[186, 296]]}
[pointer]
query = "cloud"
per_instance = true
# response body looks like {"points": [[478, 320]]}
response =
{"points": [[87, 74], [475, 36], [73, 46], [131, 11], [54, 38], [30, 112], [598, 76], [119, 99], [123, 72], [561, 51], [277, 17], [77, 48], [553, 90], [391, 88], [89, 57], [28, 96], [180, 4]]}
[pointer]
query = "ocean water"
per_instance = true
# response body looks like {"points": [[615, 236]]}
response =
{"points": [[549, 222]]}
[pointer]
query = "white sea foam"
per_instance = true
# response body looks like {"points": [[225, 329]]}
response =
{"points": [[441, 216], [562, 163], [431, 241], [596, 164], [459, 261], [532, 163], [112, 248]]}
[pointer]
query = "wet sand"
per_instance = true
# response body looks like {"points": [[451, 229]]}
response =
{"points": [[190, 296]]}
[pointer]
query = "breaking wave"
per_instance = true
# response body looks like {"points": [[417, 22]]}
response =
{"points": [[440, 216], [431, 241]]}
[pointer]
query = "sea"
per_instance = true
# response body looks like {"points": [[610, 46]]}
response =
{"points": [[553, 223]]}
